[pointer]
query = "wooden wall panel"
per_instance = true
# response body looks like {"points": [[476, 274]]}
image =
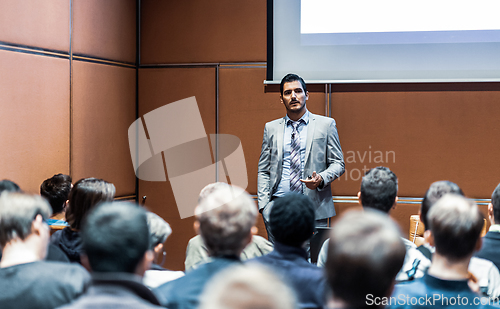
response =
{"points": [[245, 106], [34, 113], [423, 136], [105, 29], [36, 23], [103, 110], [158, 87], [203, 31]]}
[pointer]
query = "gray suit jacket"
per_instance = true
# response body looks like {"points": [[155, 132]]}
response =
{"points": [[323, 155]]}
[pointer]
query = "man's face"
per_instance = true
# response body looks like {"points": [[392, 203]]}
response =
{"points": [[294, 97]]}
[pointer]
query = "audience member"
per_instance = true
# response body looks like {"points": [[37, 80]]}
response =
{"points": [[116, 243], [224, 220], [485, 275], [86, 194], [379, 190], [491, 241], [248, 286], [56, 190], [26, 281], [365, 254], [292, 222], [455, 227], [159, 230], [53, 252], [197, 252]]}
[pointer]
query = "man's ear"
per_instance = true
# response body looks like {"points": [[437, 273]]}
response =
{"points": [[85, 262], [395, 202], [307, 95], [37, 225], [490, 214], [254, 230], [429, 238], [281, 99], [196, 227]]}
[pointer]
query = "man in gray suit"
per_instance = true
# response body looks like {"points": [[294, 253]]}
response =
{"points": [[300, 153]]}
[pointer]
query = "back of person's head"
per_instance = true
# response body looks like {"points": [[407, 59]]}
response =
{"points": [[291, 78], [292, 219], [226, 217], [247, 286], [8, 186], [56, 190], [159, 229], [208, 189], [433, 194], [379, 189], [115, 237], [85, 194], [495, 201], [17, 212], [365, 253], [456, 224]]}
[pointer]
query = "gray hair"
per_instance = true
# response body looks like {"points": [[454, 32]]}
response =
{"points": [[246, 287], [226, 217], [17, 212], [159, 229]]}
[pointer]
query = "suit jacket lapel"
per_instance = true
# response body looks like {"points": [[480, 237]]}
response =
{"points": [[281, 133], [310, 135]]}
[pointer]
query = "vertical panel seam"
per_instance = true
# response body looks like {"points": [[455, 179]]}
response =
{"points": [[70, 88]]}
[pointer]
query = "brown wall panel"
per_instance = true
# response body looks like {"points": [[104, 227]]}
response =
{"points": [[203, 31], [36, 23], [105, 29], [245, 107], [103, 110], [422, 136], [158, 87], [34, 113]]}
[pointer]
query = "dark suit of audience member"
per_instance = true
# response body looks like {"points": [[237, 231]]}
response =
{"points": [[455, 228], [292, 222], [491, 241], [116, 242], [365, 253], [26, 280], [86, 194], [224, 219]]}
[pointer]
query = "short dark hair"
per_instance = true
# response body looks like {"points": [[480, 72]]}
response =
{"points": [[17, 212], [291, 78], [365, 253], [8, 186], [495, 200], [292, 219], [456, 225], [379, 188], [56, 190], [85, 194], [115, 237], [433, 194]]}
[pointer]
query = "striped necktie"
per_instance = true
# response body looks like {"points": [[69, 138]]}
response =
{"points": [[295, 162]]}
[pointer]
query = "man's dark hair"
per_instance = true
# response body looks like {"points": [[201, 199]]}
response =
{"points": [[8, 186], [56, 190], [291, 78], [379, 188], [456, 224], [434, 193], [292, 219], [365, 253], [115, 237], [495, 200], [85, 194], [17, 212]]}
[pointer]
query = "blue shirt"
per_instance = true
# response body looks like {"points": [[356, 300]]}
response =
{"points": [[284, 185]]}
